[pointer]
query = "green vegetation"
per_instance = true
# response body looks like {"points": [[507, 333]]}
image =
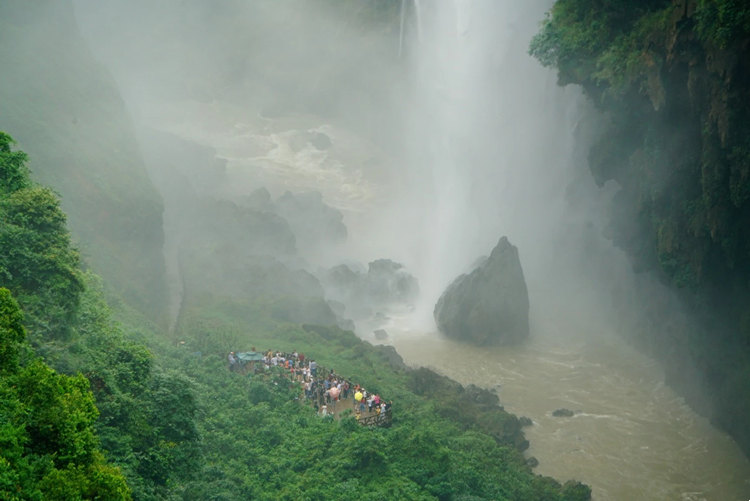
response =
{"points": [[260, 442], [180, 425], [48, 448], [39, 265], [70, 326], [672, 79], [723, 22], [600, 44]]}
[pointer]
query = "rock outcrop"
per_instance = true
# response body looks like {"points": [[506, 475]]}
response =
{"points": [[490, 305], [385, 287], [563, 413]]}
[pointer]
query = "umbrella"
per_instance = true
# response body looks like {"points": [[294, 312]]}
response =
{"points": [[358, 396]]}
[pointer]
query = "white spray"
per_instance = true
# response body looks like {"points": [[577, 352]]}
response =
{"points": [[492, 149]]}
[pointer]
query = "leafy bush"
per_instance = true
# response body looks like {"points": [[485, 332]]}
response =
{"points": [[722, 22], [48, 446]]}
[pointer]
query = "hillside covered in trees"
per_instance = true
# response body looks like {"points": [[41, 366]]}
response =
{"points": [[672, 78]]}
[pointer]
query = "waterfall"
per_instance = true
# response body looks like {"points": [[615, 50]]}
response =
{"points": [[418, 18], [401, 28], [402, 23], [498, 148]]}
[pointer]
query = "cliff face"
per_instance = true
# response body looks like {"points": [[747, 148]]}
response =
{"points": [[673, 78], [64, 109]]}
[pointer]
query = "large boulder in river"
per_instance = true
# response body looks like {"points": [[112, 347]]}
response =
{"points": [[490, 305]]}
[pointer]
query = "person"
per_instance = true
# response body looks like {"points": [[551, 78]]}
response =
{"points": [[232, 361], [313, 368]]}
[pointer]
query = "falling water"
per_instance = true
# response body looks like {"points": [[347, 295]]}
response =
{"points": [[401, 28], [494, 146], [418, 18]]}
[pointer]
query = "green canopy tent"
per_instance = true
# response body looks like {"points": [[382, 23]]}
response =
{"points": [[249, 356], [247, 359]]}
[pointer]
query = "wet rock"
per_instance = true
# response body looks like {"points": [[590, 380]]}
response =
{"points": [[525, 421], [371, 294], [532, 462], [490, 305], [563, 413], [321, 141], [380, 317], [380, 334], [388, 281]]}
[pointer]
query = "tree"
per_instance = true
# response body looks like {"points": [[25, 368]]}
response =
{"points": [[13, 172], [37, 262], [48, 448]]}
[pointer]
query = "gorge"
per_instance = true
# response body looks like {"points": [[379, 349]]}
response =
{"points": [[238, 171]]}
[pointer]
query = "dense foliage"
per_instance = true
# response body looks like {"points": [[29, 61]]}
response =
{"points": [[260, 442], [48, 447], [673, 79], [71, 327]]}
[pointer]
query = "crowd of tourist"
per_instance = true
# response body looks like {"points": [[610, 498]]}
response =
{"points": [[327, 391]]}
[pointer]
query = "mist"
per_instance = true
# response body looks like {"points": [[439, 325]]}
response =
{"points": [[425, 125], [444, 134], [341, 162]]}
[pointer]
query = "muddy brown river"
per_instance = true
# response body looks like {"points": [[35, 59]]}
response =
{"points": [[631, 437]]}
